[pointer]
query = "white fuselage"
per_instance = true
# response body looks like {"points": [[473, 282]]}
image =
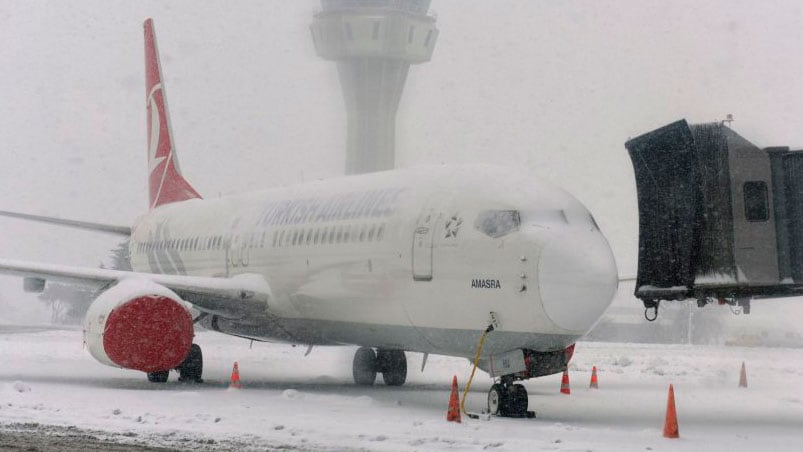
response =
{"points": [[413, 259]]}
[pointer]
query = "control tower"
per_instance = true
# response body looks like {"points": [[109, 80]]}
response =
{"points": [[373, 42]]}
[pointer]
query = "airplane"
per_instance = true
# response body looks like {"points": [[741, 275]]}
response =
{"points": [[426, 260]]}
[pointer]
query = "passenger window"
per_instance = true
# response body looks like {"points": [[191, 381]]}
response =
{"points": [[756, 202], [309, 236], [295, 237], [371, 233], [497, 223], [380, 233], [339, 235], [362, 233]]}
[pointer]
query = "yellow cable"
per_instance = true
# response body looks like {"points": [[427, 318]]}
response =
{"points": [[474, 369]]}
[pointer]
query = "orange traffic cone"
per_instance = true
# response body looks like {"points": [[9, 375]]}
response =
{"points": [[594, 382], [671, 422], [743, 377], [453, 413], [235, 377], [564, 383]]}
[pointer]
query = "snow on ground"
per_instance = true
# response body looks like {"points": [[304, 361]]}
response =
{"points": [[297, 402]]}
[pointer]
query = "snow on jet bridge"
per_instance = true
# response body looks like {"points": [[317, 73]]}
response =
{"points": [[405, 260], [719, 218]]}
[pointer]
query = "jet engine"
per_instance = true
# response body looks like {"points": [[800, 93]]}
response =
{"points": [[140, 325]]}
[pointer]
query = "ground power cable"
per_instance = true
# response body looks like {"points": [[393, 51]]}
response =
{"points": [[474, 369]]}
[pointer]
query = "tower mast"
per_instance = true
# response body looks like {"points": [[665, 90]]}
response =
{"points": [[373, 42]]}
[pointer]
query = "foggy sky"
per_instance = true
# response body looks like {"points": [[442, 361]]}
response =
{"points": [[556, 86]]}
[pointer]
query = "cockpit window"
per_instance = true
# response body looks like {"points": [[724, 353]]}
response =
{"points": [[593, 221], [546, 217], [497, 223], [559, 217]]}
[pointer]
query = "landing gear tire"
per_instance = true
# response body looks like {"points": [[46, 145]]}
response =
{"points": [[393, 365], [364, 367], [158, 376], [518, 401], [508, 400], [497, 400], [192, 368]]}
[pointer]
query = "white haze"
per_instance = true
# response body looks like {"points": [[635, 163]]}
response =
{"points": [[556, 86]]}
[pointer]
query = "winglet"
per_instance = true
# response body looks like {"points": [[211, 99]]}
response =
{"points": [[165, 181]]}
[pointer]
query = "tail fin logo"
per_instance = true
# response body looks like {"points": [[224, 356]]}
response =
{"points": [[165, 181], [153, 145]]}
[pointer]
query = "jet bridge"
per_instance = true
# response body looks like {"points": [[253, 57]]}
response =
{"points": [[720, 219]]}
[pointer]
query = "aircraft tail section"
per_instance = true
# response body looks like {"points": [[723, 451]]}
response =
{"points": [[165, 182]]}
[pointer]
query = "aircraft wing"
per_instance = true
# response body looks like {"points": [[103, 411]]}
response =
{"points": [[231, 298], [88, 225]]}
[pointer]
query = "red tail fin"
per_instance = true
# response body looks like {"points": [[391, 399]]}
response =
{"points": [[165, 180]]}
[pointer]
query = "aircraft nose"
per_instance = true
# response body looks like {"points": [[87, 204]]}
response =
{"points": [[577, 279]]}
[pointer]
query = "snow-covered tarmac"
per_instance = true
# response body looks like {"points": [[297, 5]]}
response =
{"points": [[296, 402]]}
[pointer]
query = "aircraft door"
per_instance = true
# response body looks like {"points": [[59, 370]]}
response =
{"points": [[238, 251], [236, 248], [422, 245]]}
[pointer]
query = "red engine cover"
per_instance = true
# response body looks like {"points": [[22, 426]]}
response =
{"points": [[150, 333]]}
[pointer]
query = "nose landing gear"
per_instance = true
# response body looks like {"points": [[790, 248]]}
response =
{"points": [[509, 400]]}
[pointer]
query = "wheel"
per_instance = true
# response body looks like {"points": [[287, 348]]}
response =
{"points": [[158, 376], [497, 400], [192, 368], [393, 365], [519, 401], [364, 367]]}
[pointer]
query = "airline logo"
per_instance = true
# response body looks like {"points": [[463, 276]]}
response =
{"points": [[165, 181], [158, 144], [453, 226], [350, 206]]}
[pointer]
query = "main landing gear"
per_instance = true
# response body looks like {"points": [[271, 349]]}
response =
{"points": [[189, 371], [392, 364], [508, 400]]}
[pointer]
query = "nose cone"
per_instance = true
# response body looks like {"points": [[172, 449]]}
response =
{"points": [[577, 279]]}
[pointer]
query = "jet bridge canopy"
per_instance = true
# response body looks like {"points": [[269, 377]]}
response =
{"points": [[719, 218]]}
